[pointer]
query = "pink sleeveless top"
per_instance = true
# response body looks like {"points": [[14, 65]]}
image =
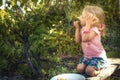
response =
{"points": [[93, 48]]}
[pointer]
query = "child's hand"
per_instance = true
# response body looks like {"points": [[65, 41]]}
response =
{"points": [[76, 24], [91, 20]]}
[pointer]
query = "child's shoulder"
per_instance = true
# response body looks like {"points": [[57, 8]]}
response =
{"points": [[95, 29]]}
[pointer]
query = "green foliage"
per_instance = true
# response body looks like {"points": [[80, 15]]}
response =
{"points": [[34, 36], [113, 54]]}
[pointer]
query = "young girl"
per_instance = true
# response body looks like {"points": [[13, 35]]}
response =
{"points": [[92, 22]]}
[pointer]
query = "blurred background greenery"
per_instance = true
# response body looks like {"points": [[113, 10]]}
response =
{"points": [[37, 37]]}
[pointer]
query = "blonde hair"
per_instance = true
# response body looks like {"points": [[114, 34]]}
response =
{"points": [[98, 15]]}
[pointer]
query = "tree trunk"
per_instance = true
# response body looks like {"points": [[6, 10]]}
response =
{"points": [[26, 47]]}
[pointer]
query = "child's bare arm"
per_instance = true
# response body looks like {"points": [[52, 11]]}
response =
{"points": [[77, 32], [77, 35], [88, 35]]}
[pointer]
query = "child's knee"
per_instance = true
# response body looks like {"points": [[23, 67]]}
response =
{"points": [[91, 71], [80, 68]]}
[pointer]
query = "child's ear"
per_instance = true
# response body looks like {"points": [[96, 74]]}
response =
{"points": [[103, 26]]}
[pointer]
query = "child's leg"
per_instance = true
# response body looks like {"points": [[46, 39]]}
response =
{"points": [[91, 71], [82, 64], [81, 68], [95, 65]]}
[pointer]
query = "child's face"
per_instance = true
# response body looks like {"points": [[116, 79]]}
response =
{"points": [[82, 19]]}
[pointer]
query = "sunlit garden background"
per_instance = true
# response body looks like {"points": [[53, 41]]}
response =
{"points": [[37, 37]]}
